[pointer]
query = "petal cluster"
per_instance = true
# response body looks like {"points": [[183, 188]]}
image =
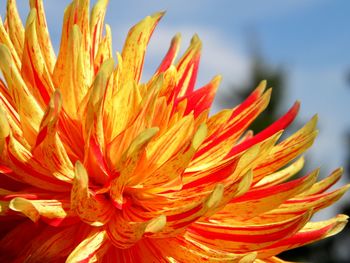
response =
{"points": [[96, 166]]}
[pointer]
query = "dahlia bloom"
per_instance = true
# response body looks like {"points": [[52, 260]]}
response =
{"points": [[98, 167]]}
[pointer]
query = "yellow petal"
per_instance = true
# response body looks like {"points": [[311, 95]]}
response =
{"points": [[91, 249], [34, 70], [96, 24], [29, 111], [135, 47], [15, 26], [6, 40], [43, 35]]}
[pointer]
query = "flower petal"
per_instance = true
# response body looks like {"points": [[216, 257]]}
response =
{"points": [[34, 70], [43, 35], [242, 239], [310, 233], [91, 249], [187, 68], [92, 209], [28, 109], [15, 26], [125, 232], [183, 250], [256, 202], [135, 47], [170, 55]]}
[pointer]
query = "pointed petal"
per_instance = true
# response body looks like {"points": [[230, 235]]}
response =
{"points": [[104, 51], [43, 35], [288, 149], [241, 239], [170, 55], [310, 233], [218, 145], [324, 184], [187, 68], [277, 126], [6, 41], [34, 70], [202, 99], [135, 47], [256, 202], [281, 175], [15, 26], [96, 24]]}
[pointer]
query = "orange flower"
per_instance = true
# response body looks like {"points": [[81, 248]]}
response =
{"points": [[96, 166]]}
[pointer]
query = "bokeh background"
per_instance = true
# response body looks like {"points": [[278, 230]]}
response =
{"points": [[301, 47]]}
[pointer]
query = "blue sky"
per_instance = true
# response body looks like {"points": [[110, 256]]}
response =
{"points": [[309, 38]]}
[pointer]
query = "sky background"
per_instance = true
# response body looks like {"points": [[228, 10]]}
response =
{"points": [[310, 39]]}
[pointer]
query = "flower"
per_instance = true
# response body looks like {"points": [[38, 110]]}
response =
{"points": [[97, 166]]}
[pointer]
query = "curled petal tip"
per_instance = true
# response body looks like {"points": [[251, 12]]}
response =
{"points": [[339, 225], [216, 196], [142, 139], [81, 174], [156, 224], [248, 258], [22, 205]]}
